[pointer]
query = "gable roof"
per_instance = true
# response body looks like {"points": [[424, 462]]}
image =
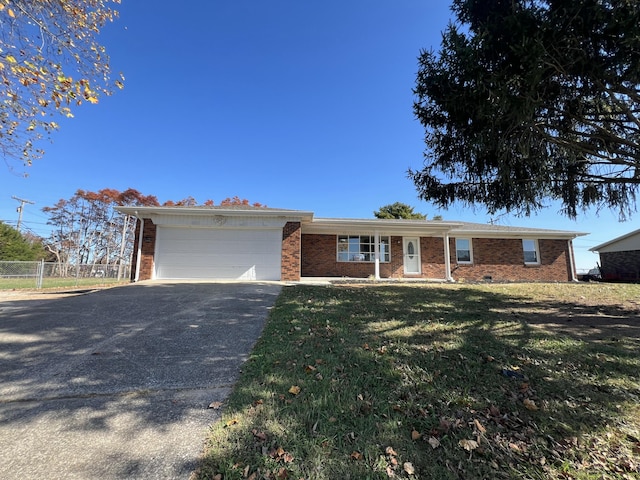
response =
{"points": [[502, 231], [614, 241], [355, 225]]}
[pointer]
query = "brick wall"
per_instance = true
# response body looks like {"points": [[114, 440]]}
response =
{"points": [[148, 250], [319, 259], [620, 265], [291, 251], [500, 259]]}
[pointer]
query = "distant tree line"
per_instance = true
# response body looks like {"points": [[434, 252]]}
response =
{"points": [[86, 228]]}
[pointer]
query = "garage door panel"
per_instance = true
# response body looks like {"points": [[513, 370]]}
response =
{"points": [[199, 253]]}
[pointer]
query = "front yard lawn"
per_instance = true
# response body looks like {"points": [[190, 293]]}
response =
{"points": [[526, 381]]}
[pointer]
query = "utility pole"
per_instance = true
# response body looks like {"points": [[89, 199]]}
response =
{"points": [[20, 208]]}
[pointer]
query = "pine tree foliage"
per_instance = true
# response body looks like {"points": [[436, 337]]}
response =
{"points": [[16, 247], [398, 210], [529, 101]]}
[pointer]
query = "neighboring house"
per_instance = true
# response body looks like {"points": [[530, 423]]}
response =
{"points": [[249, 243], [620, 257]]}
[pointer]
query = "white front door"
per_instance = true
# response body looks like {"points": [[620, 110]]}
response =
{"points": [[412, 255]]}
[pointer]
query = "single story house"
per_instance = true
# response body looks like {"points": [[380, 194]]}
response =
{"points": [[255, 243], [620, 257]]}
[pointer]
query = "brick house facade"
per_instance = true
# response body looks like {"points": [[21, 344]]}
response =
{"points": [[494, 259], [620, 258], [349, 248]]}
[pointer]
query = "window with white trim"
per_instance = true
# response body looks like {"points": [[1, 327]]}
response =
{"points": [[463, 250], [362, 248], [530, 251]]}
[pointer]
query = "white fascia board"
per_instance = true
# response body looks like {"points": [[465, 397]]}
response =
{"points": [[149, 212]]}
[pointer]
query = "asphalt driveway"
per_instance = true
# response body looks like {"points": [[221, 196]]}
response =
{"points": [[115, 384]]}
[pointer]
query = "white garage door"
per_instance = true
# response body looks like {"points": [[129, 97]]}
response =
{"points": [[232, 254]]}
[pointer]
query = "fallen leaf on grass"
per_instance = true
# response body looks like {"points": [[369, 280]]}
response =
{"points": [[390, 451], [515, 447], [479, 426], [294, 390], [280, 455], [408, 467], [415, 435], [530, 404], [233, 421], [259, 435], [468, 445], [434, 442], [356, 455]]}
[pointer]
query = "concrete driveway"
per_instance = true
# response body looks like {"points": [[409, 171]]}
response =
{"points": [[115, 384]]}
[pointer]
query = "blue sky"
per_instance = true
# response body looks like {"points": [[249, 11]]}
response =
{"points": [[294, 104]]}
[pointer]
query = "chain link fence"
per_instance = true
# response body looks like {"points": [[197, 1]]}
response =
{"points": [[15, 274]]}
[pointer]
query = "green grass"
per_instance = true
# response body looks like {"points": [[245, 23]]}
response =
{"points": [[438, 382], [55, 282]]}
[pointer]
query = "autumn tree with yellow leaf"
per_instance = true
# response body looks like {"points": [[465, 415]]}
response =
{"points": [[50, 62]]}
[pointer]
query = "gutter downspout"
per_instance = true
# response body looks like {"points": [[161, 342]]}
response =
{"points": [[447, 259], [572, 265], [139, 255]]}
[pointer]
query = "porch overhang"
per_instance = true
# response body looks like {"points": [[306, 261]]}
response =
{"points": [[424, 228]]}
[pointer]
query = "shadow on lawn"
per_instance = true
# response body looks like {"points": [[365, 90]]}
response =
{"points": [[452, 363], [576, 363]]}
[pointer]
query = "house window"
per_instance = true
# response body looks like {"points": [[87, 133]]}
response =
{"points": [[531, 253], [362, 248], [463, 250]]}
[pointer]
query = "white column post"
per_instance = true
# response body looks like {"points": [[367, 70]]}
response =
{"points": [[447, 259], [571, 261], [139, 256], [377, 255]]}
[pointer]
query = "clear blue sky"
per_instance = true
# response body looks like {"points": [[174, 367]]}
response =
{"points": [[294, 104]]}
